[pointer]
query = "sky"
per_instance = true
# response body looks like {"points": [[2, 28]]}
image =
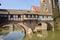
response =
{"points": [[19, 4]]}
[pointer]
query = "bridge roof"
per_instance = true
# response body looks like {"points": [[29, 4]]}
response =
{"points": [[4, 11], [45, 14], [22, 12]]}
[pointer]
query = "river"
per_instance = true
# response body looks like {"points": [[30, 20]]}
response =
{"points": [[20, 35], [15, 35]]}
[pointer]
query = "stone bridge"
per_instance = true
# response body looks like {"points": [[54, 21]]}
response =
{"points": [[31, 18], [12, 26], [37, 26]]}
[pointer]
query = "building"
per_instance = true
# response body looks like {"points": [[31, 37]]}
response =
{"points": [[20, 15], [35, 8], [27, 17], [50, 6]]}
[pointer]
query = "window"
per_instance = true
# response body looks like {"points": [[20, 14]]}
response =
{"points": [[34, 16], [26, 15], [19, 16], [1, 15], [47, 16], [14, 16], [30, 16], [42, 16], [5, 15], [43, 0], [11, 16]]}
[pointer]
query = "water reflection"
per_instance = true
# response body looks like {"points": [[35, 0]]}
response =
{"points": [[19, 34], [38, 36], [53, 35], [42, 35], [15, 35]]}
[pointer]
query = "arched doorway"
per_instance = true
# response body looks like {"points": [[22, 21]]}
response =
{"points": [[40, 26]]}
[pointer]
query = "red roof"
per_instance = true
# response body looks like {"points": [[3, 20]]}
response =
{"points": [[36, 8]]}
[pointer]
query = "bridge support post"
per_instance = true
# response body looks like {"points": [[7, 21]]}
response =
{"points": [[27, 29], [52, 24], [29, 33], [53, 29]]}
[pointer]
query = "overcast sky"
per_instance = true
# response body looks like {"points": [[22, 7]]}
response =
{"points": [[18, 4]]}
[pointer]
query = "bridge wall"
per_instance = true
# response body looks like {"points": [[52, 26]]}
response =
{"points": [[31, 24], [35, 26], [52, 25]]}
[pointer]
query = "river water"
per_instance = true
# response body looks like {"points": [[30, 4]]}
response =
{"points": [[15, 35], [20, 35]]}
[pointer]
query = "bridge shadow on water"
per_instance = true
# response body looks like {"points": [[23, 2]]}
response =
{"points": [[49, 26]]}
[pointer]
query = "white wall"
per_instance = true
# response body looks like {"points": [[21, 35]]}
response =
{"points": [[45, 18]]}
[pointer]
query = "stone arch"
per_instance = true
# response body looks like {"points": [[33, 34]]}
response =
{"points": [[21, 25], [49, 25], [46, 25], [40, 26], [3, 23], [26, 28], [8, 26]]}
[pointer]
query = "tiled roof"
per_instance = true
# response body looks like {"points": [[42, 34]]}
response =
{"points": [[36, 8]]}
